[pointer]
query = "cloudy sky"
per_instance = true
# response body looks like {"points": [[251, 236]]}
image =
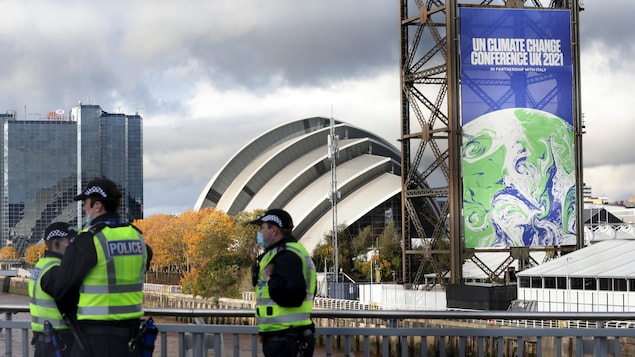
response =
{"points": [[209, 76]]}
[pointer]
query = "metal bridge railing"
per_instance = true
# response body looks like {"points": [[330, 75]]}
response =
{"points": [[381, 333]]}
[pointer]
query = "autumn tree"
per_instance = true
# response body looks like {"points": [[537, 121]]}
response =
{"points": [[244, 236], [223, 248], [212, 252], [246, 247], [164, 233], [9, 252], [33, 253], [379, 266]]}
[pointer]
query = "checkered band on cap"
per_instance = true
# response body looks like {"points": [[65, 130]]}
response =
{"points": [[276, 216], [272, 218], [95, 189], [102, 189], [56, 233]]}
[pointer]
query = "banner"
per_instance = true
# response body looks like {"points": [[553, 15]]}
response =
{"points": [[518, 157]]}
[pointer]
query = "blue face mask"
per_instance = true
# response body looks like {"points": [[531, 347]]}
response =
{"points": [[261, 240]]}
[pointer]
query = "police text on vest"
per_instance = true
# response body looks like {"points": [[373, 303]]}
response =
{"points": [[125, 247]]}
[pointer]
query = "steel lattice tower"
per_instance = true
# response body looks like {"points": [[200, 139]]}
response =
{"points": [[430, 132]]}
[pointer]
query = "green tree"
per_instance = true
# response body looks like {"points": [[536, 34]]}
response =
{"points": [[384, 251], [390, 251], [363, 241], [324, 257]]}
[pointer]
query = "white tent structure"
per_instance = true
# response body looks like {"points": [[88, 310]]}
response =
{"points": [[597, 278]]}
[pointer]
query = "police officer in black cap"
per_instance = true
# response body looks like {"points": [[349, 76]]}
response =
{"points": [[104, 270], [285, 280], [51, 336]]}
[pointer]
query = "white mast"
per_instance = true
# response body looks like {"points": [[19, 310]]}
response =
{"points": [[78, 115], [334, 195]]}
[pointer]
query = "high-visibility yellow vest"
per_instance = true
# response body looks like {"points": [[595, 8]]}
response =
{"points": [[269, 315], [113, 288], [41, 304]]}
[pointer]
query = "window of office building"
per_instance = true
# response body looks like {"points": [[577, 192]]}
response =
{"points": [[40, 164], [41, 161]]}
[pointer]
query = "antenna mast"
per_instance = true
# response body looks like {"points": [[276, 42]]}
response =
{"points": [[334, 195]]}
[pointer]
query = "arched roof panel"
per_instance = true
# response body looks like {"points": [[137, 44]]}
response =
{"points": [[216, 187], [312, 202], [288, 167], [352, 208]]}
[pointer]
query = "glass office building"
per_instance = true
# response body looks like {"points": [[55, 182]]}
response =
{"points": [[46, 162]]}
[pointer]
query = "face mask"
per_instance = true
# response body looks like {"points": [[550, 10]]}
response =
{"points": [[89, 219], [87, 212], [261, 240]]}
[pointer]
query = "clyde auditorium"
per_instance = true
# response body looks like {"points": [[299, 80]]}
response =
{"points": [[289, 167]]}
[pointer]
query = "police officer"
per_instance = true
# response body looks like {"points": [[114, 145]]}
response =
{"points": [[50, 334], [104, 269], [285, 285]]}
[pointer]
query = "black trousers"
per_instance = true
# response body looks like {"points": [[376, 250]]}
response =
{"points": [[288, 345], [107, 341]]}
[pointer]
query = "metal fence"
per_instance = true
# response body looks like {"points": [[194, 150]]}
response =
{"points": [[381, 333]]}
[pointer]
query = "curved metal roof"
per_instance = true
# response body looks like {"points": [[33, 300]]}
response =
{"points": [[288, 167]]}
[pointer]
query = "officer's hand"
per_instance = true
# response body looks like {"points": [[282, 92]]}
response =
{"points": [[268, 271]]}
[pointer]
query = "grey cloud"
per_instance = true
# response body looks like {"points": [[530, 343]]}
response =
{"points": [[316, 48], [137, 54], [609, 23]]}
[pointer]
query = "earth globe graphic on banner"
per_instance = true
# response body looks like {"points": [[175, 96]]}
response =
{"points": [[518, 179]]}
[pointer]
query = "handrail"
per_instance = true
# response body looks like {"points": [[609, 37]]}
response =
{"points": [[395, 336], [384, 314]]}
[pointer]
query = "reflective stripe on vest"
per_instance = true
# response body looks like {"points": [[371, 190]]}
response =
{"points": [[57, 324], [269, 315], [42, 305], [113, 288]]}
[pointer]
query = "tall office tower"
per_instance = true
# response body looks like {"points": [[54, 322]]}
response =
{"points": [[46, 162]]}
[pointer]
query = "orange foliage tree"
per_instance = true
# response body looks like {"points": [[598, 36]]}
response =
{"points": [[211, 251], [33, 253], [163, 233], [217, 248], [9, 252]]}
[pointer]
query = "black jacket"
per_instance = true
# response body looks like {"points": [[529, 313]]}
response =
{"points": [[287, 286]]}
